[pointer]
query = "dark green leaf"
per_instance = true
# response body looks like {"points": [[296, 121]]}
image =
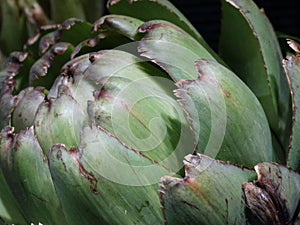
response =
{"points": [[292, 68], [160, 10], [249, 45]]}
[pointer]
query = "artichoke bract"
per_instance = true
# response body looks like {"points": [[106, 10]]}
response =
{"points": [[136, 120]]}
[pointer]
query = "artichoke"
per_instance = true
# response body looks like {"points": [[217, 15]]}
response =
{"points": [[134, 119]]}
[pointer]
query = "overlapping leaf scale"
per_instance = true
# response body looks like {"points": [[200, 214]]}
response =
{"points": [[53, 117], [160, 10], [80, 165], [26, 171], [28, 101], [230, 194], [9, 81], [226, 116], [10, 210], [124, 25], [59, 121], [210, 193], [135, 102], [106, 194], [171, 48]]}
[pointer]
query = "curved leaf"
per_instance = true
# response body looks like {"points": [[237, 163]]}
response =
{"points": [[59, 121], [135, 102], [125, 25], [226, 116], [249, 45], [27, 173], [92, 191], [10, 210], [160, 10], [45, 70], [28, 101], [163, 41], [292, 68], [210, 193]]}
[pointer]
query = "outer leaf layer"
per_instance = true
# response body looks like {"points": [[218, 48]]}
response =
{"points": [[171, 48], [136, 103], [10, 211], [100, 197], [210, 193], [27, 173], [228, 118]]}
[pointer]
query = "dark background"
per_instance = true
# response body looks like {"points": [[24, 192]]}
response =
{"points": [[205, 16]]}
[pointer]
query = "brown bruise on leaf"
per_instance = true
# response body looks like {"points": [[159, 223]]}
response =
{"points": [[201, 203], [75, 156], [7, 134], [261, 205], [181, 94], [67, 24], [263, 197], [45, 41], [75, 153]]}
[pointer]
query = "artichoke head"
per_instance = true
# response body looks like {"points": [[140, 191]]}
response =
{"points": [[134, 119]]}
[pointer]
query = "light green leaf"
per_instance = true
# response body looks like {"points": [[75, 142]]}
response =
{"points": [[210, 193], [226, 116], [171, 48], [106, 182], [10, 210], [59, 121], [28, 101], [135, 102], [27, 173]]}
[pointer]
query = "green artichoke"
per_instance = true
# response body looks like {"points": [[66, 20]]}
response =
{"points": [[136, 120]]}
